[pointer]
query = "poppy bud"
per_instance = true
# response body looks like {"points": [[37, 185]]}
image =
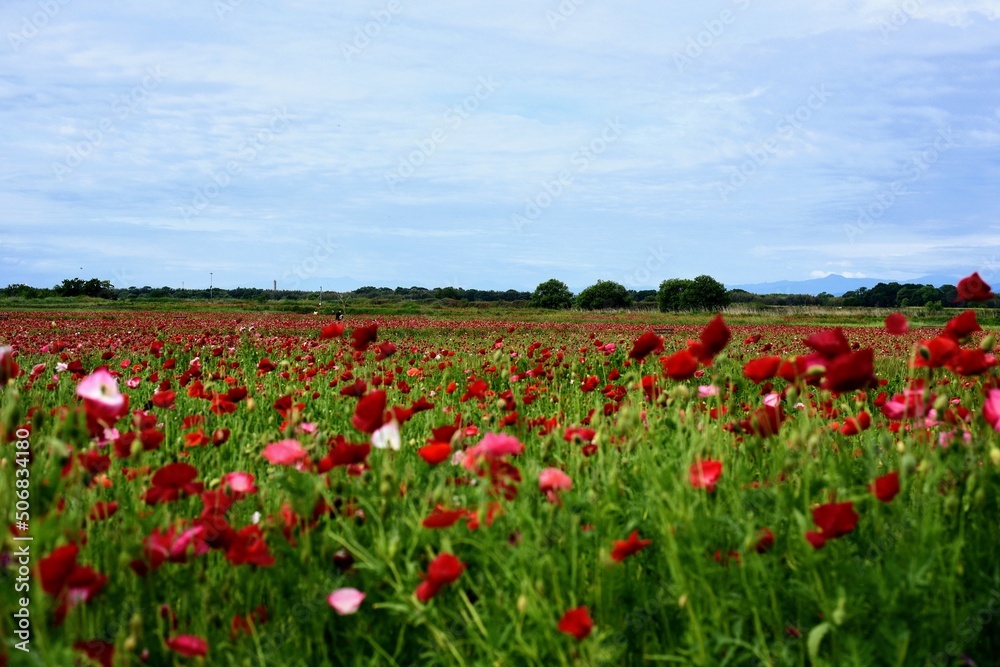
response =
{"points": [[908, 464], [522, 603], [135, 624], [986, 345], [941, 403], [130, 643], [995, 456]]}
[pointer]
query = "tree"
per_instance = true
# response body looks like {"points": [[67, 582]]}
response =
{"points": [[671, 292], [552, 294], [702, 293], [602, 295]]}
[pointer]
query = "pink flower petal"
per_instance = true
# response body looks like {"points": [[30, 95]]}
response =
{"points": [[345, 601]]}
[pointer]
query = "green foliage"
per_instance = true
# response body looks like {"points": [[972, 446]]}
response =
{"points": [[552, 294], [604, 295], [702, 293]]}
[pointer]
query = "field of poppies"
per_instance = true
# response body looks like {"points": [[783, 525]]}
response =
{"points": [[233, 489]]}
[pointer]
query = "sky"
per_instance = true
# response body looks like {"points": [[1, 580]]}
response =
{"points": [[496, 145]]}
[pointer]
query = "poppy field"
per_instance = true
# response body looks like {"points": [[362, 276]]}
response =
{"points": [[255, 489]]}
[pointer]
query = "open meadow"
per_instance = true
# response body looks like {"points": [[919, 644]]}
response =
{"points": [[227, 488]]}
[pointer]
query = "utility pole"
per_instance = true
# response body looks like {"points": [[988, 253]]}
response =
{"points": [[321, 296], [210, 285]]}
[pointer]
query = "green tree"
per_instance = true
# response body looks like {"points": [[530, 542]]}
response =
{"points": [[702, 293], [552, 294], [603, 295], [671, 293]]}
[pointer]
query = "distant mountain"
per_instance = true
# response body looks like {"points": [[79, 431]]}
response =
{"points": [[836, 285]]}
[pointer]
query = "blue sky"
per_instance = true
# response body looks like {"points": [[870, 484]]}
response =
{"points": [[496, 145]]}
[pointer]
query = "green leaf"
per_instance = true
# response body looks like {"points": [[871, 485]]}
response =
{"points": [[815, 637]]}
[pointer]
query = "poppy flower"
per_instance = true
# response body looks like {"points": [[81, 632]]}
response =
{"points": [[855, 425], [705, 474], [332, 330], [551, 480], [680, 365], [850, 371], [164, 399], [896, 324], [384, 351], [343, 453], [363, 337], [189, 646], [936, 352], [886, 487], [386, 436], [625, 548], [971, 362], [8, 367], [248, 547], [762, 368], [443, 570], [829, 344], [962, 326], [991, 409], [576, 622], [443, 518], [369, 413], [100, 651], [834, 520], [435, 452], [973, 288], [102, 401], [492, 446], [712, 339], [171, 481], [239, 482], [345, 601], [284, 452], [765, 540], [646, 344]]}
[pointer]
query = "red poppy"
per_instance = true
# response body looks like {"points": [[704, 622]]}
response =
{"points": [[886, 487], [705, 474], [248, 546], [713, 339], [855, 425], [829, 344], [332, 330], [646, 344], [369, 414], [962, 326], [343, 453], [8, 367], [435, 452], [973, 288], [762, 368], [765, 540], [98, 650], [625, 548], [896, 324], [443, 518], [443, 570], [680, 365], [164, 399], [384, 351], [971, 362], [171, 481], [834, 520], [576, 622], [102, 510], [363, 337], [188, 645], [850, 371], [935, 353]]}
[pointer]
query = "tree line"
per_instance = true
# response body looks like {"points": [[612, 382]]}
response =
{"points": [[674, 294]]}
